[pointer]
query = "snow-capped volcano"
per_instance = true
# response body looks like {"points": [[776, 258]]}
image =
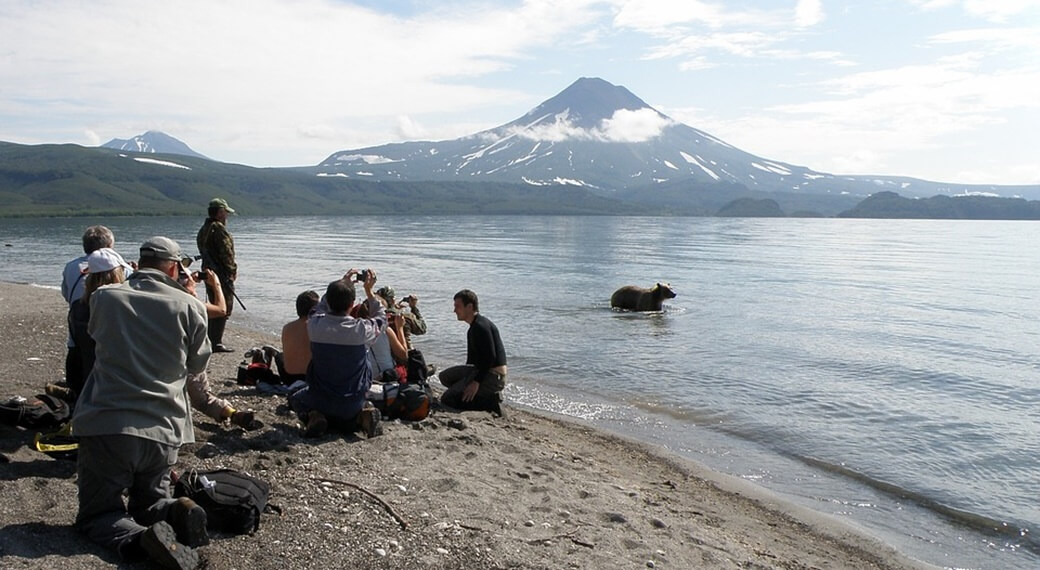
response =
{"points": [[152, 142], [592, 134]]}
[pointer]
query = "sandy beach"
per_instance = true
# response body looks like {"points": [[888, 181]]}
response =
{"points": [[457, 490]]}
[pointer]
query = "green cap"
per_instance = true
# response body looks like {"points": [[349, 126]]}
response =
{"points": [[220, 203], [387, 293]]}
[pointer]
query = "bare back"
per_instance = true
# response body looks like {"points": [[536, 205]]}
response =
{"points": [[296, 347]]}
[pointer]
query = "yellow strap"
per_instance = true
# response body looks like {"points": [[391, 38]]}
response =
{"points": [[66, 430]]}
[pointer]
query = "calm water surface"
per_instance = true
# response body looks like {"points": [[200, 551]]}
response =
{"points": [[882, 371]]}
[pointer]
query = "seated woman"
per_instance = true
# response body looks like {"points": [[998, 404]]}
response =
{"points": [[104, 267], [387, 356]]}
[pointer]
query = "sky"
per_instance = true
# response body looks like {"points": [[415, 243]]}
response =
{"points": [[943, 90]]}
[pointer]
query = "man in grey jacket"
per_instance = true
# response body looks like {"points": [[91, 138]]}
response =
{"points": [[133, 414]]}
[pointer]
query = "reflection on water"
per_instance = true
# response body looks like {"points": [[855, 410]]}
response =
{"points": [[903, 352]]}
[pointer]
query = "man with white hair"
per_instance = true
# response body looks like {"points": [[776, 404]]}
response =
{"points": [[73, 281]]}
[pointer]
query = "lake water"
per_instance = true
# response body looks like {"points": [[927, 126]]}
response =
{"points": [[882, 371]]}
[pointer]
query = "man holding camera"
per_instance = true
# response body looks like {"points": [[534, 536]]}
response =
{"points": [[414, 323], [217, 248], [339, 376], [133, 415]]}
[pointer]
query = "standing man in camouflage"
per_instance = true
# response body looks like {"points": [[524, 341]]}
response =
{"points": [[218, 255]]}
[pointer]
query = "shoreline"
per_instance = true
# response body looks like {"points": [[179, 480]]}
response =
{"points": [[526, 491]]}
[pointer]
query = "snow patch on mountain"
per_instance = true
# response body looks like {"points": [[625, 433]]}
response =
{"points": [[557, 181], [772, 167], [697, 162], [366, 158], [161, 162]]}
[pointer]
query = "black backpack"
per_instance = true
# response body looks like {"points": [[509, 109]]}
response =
{"points": [[233, 500], [40, 411], [416, 367]]}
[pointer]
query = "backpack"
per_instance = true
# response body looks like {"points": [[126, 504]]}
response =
{"points": [[233, 500], [258, 368], [251, 374], [406, 401], [39, 411], [416, 367]]}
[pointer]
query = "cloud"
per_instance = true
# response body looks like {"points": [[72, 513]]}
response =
{"points": [[633, 126], [701, 34], [625, 126], [999, 11], [808, 13], [278, 75], [409, 129], [939, 120]]}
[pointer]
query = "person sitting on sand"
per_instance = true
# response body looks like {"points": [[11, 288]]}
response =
{"points": [[389, 348], [339, 376], [104, 267], [478, 384], [292, 361], [133, 414], [199, 392], [73, 284]]}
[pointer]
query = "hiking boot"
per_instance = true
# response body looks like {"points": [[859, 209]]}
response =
{"points": [[245, 420], [368, 420], [159, 541], [188, 519], [62, 392], [316, 424]]}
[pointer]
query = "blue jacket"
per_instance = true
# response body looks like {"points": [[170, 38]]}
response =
{"points": [[339, 350]]}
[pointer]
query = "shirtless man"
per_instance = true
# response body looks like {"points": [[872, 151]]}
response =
{"points": [[296, 344]]}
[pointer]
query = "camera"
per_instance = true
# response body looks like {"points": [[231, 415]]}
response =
{"points": [[361, 276], [197, 276]]}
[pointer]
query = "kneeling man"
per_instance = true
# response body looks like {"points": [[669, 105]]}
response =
{"points": [[133, 413], [478, 384]]}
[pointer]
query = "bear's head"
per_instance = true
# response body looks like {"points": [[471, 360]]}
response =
{"points": [[663, 291]]}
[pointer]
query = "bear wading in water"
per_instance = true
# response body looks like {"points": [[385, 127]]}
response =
{"points": [[634, 298]]}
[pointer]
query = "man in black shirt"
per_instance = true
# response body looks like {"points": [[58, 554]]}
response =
{"points": [[478, 384]]}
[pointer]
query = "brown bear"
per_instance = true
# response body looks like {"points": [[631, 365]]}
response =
{"points": [[634, 298]]}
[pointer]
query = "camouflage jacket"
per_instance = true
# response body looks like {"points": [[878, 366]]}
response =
{"points": [[216, 243]]}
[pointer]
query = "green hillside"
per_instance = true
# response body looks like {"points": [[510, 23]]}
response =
{"points": [[70, 180], [892, 205]]}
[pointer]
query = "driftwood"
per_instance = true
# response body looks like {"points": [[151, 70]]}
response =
{"points": [[400, 520]]}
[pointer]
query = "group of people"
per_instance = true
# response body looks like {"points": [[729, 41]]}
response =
{"points": [[139, 345]]}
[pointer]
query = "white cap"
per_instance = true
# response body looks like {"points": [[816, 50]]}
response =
{"points": [[104, 259]]}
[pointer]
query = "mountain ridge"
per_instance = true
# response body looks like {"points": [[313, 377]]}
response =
{"points": [[594, 148], [603, 137]]}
